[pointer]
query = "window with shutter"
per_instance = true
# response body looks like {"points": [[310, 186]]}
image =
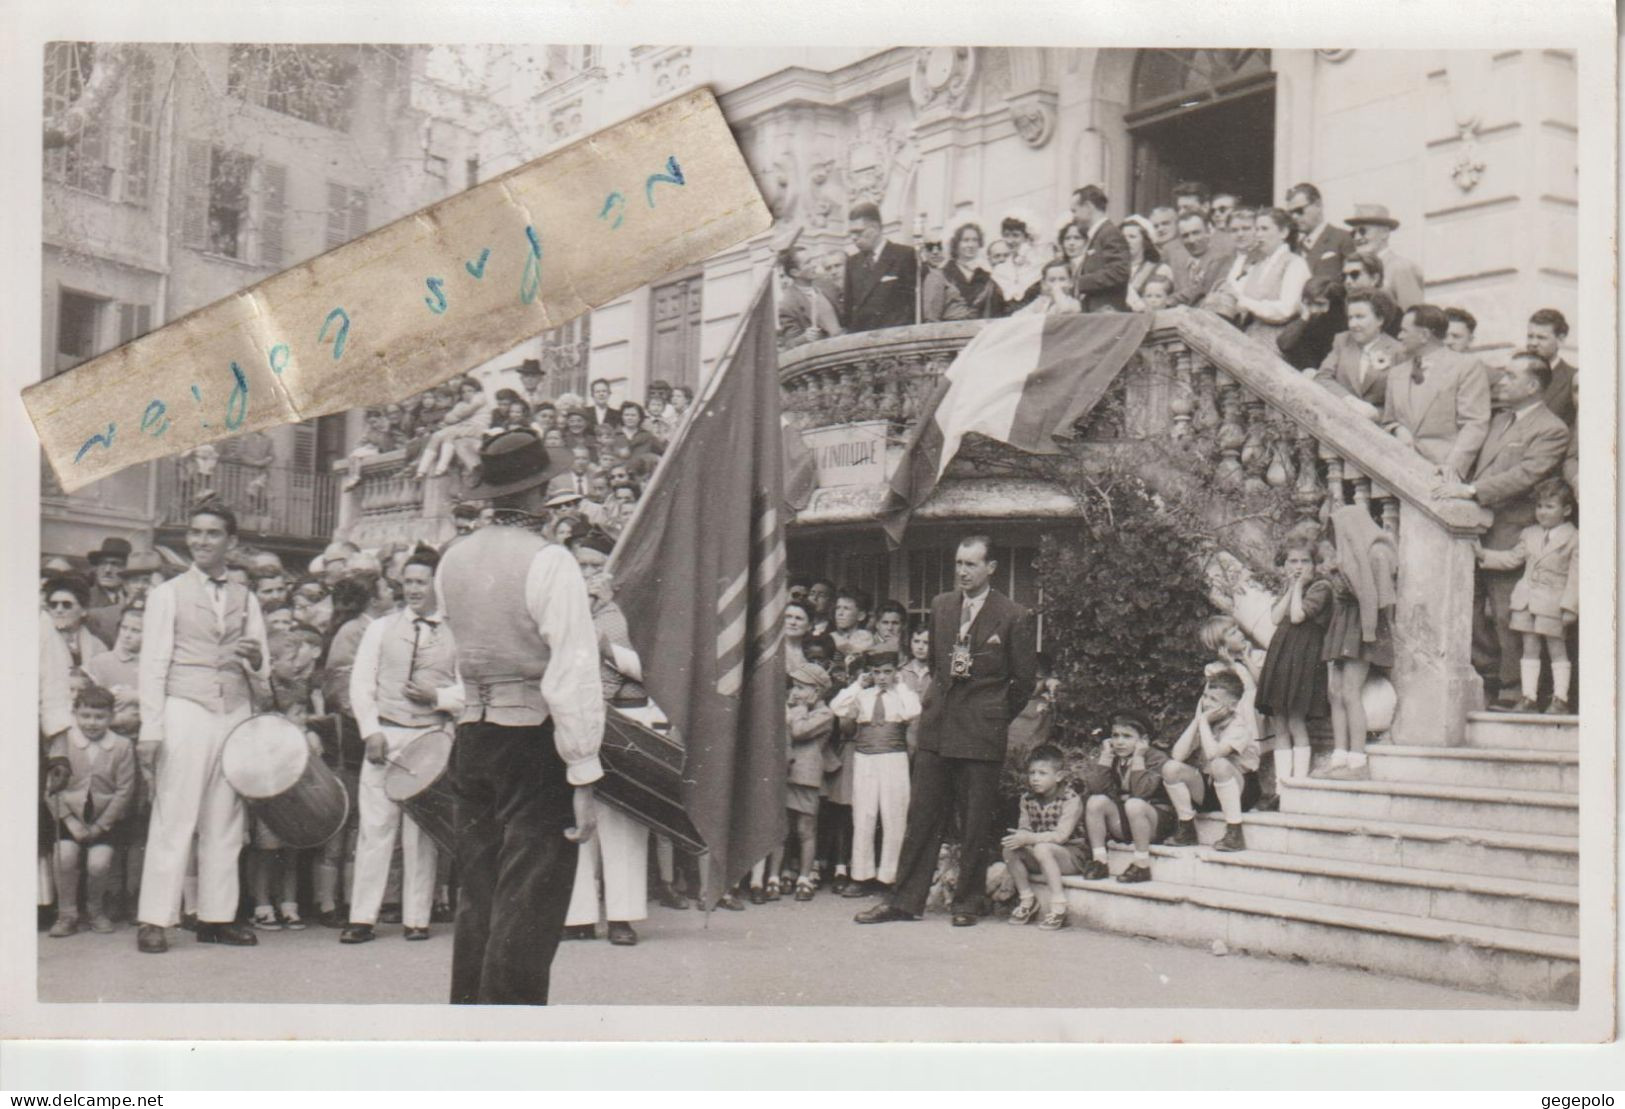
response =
{"points": [[134, 321], [346, 214], [674, 322], [272, 212], [140, 129], [81, 162], [304, 447]]}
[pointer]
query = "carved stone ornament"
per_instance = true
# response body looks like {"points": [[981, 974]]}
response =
{"points": [[869, 161], [826, 201], [1469, 166], [1468, 78], [1033, 114], [943, 77]]}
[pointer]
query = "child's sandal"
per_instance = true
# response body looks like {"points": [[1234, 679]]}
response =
{"points": [[773, 889], [1024, 912], [1053, 921]]}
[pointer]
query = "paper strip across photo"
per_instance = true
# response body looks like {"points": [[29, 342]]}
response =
{"points": [[410, 304]]}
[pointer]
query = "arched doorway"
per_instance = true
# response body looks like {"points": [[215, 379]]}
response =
{"points": [[1202, 115]]}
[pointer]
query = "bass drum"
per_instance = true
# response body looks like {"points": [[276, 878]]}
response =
{"points": [[267, 760], [643, 776]]}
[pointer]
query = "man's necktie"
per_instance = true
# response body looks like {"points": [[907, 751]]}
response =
{"points": [[418, 624], [966, 616], [1418, 371], [879, 715]]}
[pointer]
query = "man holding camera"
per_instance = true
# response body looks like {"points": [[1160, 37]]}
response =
{"points": [[983, 667]]}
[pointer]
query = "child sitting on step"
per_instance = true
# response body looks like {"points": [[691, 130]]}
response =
{"points": [[1048, 835], [1546, 599], [1125, 799], [1215, 761], [90, 783]]}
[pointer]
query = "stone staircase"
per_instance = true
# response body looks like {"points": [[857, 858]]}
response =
{"points": [[1456, 865]]}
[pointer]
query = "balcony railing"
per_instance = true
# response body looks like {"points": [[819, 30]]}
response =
{"points": [[382, 500], [1261, 425], [268, 500]]}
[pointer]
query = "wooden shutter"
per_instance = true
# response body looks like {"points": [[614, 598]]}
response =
{"points": [[273, 207], [134, 321], [304, 447], [195, 210], [338, 226], [358, 213]]}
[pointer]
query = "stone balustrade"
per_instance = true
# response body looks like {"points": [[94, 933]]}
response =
{"points": [[385, 501]]}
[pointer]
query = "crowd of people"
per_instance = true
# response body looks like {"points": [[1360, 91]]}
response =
{"points": [[878, 769]]}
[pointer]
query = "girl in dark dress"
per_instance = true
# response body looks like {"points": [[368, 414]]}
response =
{"points": [[1363, 569], [960, 289], [1293, 685]]}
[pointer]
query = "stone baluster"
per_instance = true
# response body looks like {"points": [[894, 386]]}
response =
{"points": [[1206, 388], [1309, 496], [1388, 506], [1182, 402], [1335, 496], [1362, 491]]}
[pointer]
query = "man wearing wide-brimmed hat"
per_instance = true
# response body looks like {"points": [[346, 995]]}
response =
{"points": [[135, 579], [526, 755], [1401, 277], [106, 571]]}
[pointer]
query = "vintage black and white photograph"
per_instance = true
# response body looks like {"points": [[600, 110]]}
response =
{"points": [[1112, 543]]}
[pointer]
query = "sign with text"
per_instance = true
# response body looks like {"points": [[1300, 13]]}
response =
{"points": [[415, 302], [849, 454]]}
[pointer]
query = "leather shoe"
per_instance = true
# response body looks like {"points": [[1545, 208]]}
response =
{"points": [[232, 935], [389, 914], [621, 934], [358, 933], [150, 939], [964, 920], [883, 914], [579, 932], [858, 889], [416, 933]]}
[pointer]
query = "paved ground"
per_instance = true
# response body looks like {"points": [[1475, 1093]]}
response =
{"points": [[778, 954]]}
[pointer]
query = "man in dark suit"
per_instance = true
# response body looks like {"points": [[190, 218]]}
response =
{"points": [[1102, 281], [1202, 262], [807, 306], [107, 572], [1526, 444], [881, 276], [983, 668], [1323, 246], [1547, 330]]}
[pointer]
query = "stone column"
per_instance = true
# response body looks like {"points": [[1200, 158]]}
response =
{"points": [[1433, 672]]}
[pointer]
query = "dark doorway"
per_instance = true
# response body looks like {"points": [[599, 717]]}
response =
{"points": [[1202, 115]]}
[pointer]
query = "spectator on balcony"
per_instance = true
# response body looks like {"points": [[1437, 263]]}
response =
{"points": [[1322, 245], [1243, 229], [960, 288], [881, 276], [1460, 328], [380, 437], [1056, 296], [511, 413], [1224, 206], [459, 435], [682, 398], [1158, 294], [1203, 263], [1322, 316], [1104, 270], [578, 430], [640, 441], [603, 410], [575, 479], [1269, 289], [1356, 368], [1438, 401], [1547, 330], [1164, 227], [533, 382], [1526, 443], [657, 407], [931, 254], [1015, 285], [254, 454], [1402, 278], [1145, 261], [807, 306]]}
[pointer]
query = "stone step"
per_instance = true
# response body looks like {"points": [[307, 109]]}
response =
{"points": [[1490, 767], [1428, 847], [1510, 810], [1515, 729], [1469, 956], [1436, 894]]}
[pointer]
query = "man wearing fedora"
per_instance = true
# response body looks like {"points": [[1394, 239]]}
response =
{"points": [[526, 754], [533, 383], [1401, 277], [135, 578], [107, 570]]}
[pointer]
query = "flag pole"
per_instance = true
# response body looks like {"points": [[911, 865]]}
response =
{"points": [[707, 392]]}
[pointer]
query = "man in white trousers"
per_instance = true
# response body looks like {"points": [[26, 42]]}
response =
{"points": [[402, 686], [202, 638], [621, 851]]}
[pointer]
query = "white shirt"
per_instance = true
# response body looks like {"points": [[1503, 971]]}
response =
{"points": [[158, 646], [857, 703], [971, 606], [364, 674], [556, 598]]}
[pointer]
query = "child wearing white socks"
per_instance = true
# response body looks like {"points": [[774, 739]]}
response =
{"points": [[1547, 599]]}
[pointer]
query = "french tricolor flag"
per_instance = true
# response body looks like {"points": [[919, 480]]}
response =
{"points": [[1023, 381]]}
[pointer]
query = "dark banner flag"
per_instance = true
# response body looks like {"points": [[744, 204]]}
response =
{"points": [[699, 572]]}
